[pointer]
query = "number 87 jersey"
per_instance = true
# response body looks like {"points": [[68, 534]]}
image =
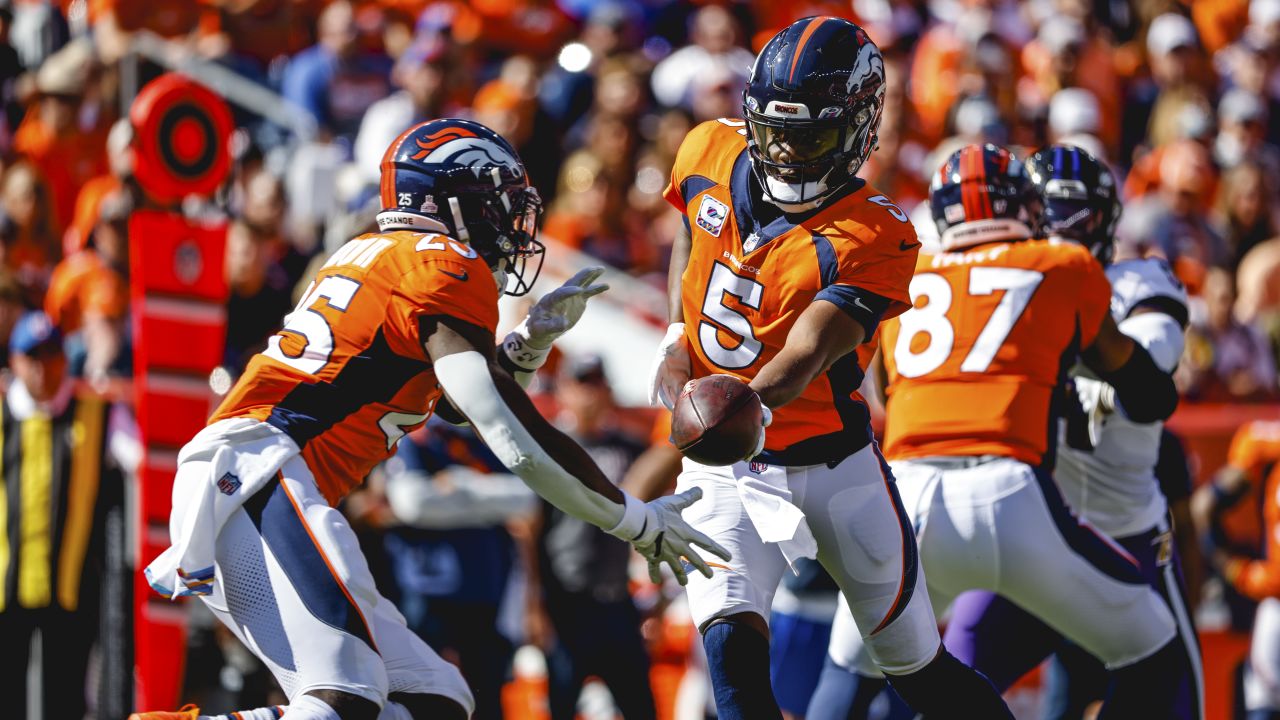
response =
{"points": [[974, 366], [748, 281]]}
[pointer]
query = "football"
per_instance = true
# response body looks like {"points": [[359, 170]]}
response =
{"points": [[716, 420]]}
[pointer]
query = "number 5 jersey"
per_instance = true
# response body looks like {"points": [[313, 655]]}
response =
{"points": [[748, 281]]}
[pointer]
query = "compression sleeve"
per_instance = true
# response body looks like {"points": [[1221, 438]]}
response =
{"points": [[467, 381], [1144, 391]]}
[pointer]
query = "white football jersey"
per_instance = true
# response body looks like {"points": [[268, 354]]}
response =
{"points": [[1114, 486]]}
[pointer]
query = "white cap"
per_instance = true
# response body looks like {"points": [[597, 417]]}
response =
{"points": [[1264, 12], [1073, 110], [1169, 32], [1058, 33], [1240, 105]]}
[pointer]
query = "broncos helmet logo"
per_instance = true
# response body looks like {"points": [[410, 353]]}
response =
{"points": [[470, 150], [868, 69], [437, 139]]}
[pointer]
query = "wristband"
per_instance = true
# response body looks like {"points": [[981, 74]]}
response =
{"points": [[632, 525], [518, 350]]}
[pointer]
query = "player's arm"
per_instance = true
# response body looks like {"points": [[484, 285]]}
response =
{"points": [[672, 366], [1144, 391], [547, 460]]}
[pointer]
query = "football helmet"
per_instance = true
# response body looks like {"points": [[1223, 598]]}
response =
{"points": [[459, 178], [981, 194], [812, 107], [1079, 198]]}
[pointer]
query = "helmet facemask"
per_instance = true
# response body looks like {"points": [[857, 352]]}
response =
{"points": [[504, 231]]}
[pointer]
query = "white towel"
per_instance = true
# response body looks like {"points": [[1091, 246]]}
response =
{"points": [[222, 466], [767, 500]]}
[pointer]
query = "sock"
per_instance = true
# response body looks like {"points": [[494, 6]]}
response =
{"points": [[1142, 689], [308, 707], [947, 688], [843, 694], [275, 712], [738, 660]]}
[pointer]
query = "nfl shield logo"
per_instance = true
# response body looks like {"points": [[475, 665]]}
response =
{"points": [[758, 467], [712, 214], [228, 484]]}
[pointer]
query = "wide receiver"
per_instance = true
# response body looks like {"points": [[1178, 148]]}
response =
{"points": [[975, 375], [788, 264], [396, 325]]}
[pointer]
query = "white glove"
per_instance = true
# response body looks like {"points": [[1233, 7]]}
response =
{"points": [[766, 419], [671, 369], [664, 536], [549, 318]]}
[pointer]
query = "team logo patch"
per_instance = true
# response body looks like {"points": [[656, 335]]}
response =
{"points": [[228, 483], [712, 214], [758, 467]]}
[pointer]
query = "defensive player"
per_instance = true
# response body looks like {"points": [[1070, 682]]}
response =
{"points": [[788, 265], [1253, 463], [974, 372], [396, 325]]}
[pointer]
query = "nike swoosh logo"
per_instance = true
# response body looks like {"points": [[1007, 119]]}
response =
{"points": [[463, 277], [858, 301], [904, 246]]}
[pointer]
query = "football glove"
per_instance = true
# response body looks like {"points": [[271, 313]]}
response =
{"points": [[549, 318], [666, 538], [671, 368]]}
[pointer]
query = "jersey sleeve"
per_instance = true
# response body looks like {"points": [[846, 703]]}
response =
{"points": [[1147, 282], [1093, 293], [1247, 452], [870, 275], [697, 162], [447, 284]]}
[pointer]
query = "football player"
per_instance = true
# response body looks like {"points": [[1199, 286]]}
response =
{"points": [[1253, 466], [396, 325], [788, 265], [974, 374]]}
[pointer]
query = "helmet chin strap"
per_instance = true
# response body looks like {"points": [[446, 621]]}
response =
{"points": [[459, 226]]}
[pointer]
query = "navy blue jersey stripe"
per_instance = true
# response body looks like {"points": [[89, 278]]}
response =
{"points": [[374, 375], [694, 184], [827, 267]]}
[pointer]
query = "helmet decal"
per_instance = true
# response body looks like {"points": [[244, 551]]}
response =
{"points": [[868, 69], [436, 139]]}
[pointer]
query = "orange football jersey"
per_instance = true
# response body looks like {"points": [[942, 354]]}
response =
{"points": [[746, 285], [1255, 450], [973, 367], [347, 376]]}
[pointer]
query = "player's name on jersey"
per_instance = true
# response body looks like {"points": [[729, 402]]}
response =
{"points": [[968, 258]]}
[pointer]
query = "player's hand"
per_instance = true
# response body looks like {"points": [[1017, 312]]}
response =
{"points": [[671, 368], [766, 419], [559, 310], [667, 538]]}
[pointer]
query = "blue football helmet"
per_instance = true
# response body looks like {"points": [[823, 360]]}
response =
{"points": [[459, 178], [813, 107], [1080, 199], [981, 194]]}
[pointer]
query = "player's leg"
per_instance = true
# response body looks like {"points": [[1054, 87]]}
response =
{"points": [[1073, 680], [730, 607], [800, 631], [1085, 587], [1262, 676], [293, 585], [998, 638], [867, 542]]}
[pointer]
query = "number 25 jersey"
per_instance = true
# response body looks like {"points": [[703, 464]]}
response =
{"points": [[348, 376], [974, 366], [746, 285]]}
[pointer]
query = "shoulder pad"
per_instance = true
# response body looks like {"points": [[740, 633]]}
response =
{"points": [[1138, 281]]}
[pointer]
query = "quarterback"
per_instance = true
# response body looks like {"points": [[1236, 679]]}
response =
{"points": [[396, 325], [788, 266]]}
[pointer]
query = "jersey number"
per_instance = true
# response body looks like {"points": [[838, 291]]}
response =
{"points": [[310, 326], [1018, 286], [746, 291]]}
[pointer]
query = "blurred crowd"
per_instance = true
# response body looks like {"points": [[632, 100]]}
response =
{"points": [[1181, 98]]}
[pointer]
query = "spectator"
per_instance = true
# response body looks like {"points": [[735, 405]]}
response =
{"points": [[89, 291], [1225, 359], [1066, 55], [120, 174], [1173, 50], [336, 79], [30, 244], [1075, 119], [72, 450], [1258, 291], [1243, 215], [450, 554], [715, 50], [1242, 133], [52, 138], [11, 308], [584, 571], [260, 294]]}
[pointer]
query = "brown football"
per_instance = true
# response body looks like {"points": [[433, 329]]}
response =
{"points": [[716, 420]]}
